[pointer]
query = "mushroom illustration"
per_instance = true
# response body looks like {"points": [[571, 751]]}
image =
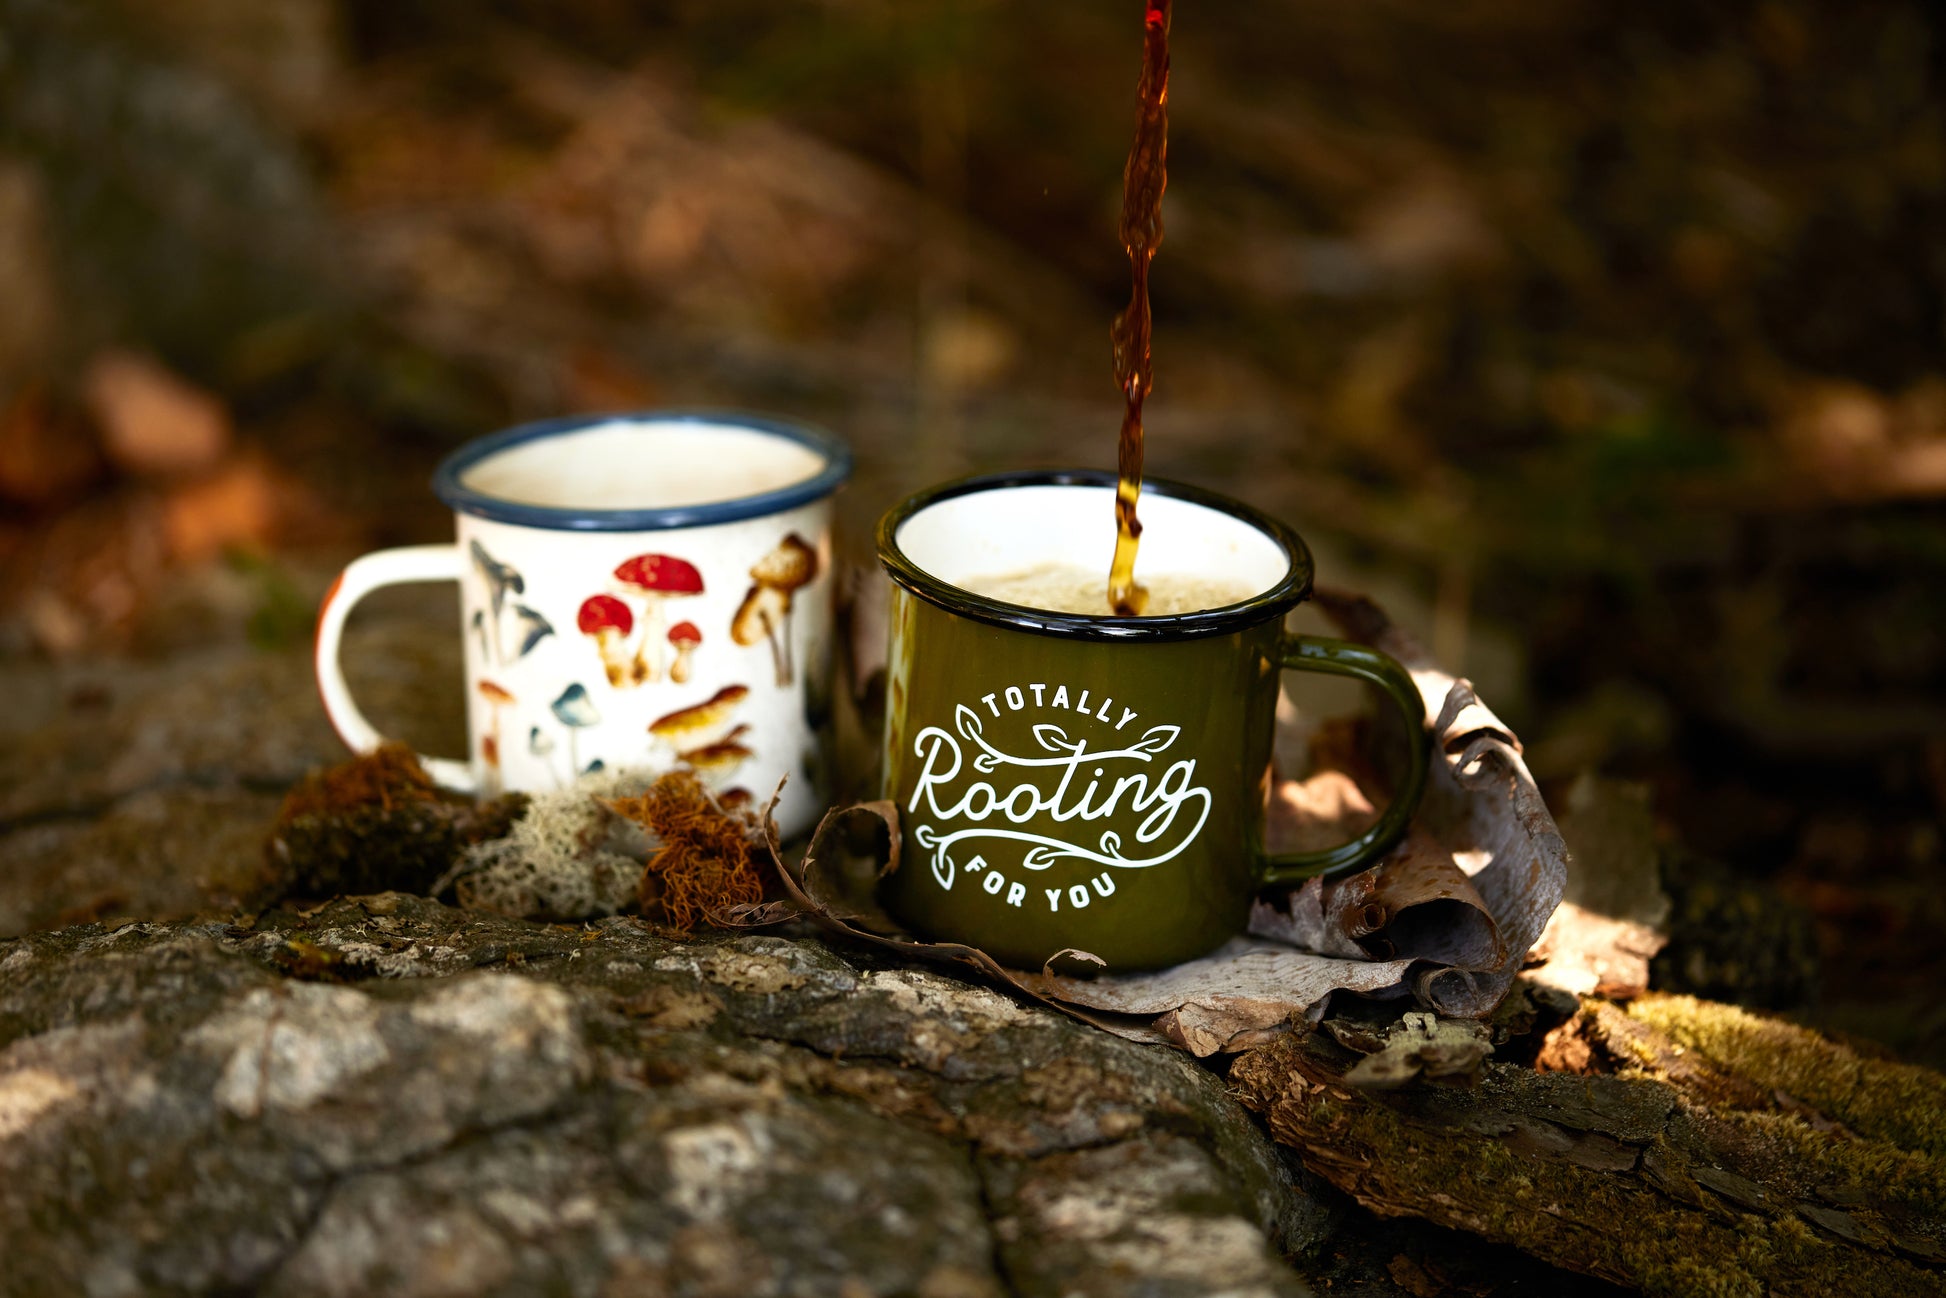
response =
{"points": [[496, 698], [685, 636], [766, 609], [575, 710], [758, 618], [541, 745], [533, 629], [716, 762], [499, 578], [694, 727], [608, 620], [655, 577]]}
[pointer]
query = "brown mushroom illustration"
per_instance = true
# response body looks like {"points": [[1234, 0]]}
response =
{"points": [[685, 636], [716, 762], [608, 620], [702, 724], [757, 618], [655, 577], [496, 698], [766, 609]]}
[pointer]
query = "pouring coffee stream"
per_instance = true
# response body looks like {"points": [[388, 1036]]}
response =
{"points": [[1143, 180]]}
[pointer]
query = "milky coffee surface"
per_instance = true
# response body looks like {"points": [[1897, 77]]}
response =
{"points": [[1056, 587]]}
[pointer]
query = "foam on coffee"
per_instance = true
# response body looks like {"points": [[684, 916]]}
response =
{"points": [[1056, 587]]}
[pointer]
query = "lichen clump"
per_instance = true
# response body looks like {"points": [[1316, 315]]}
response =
{"points": [[705, 865], [612, 840], [570, 856]]}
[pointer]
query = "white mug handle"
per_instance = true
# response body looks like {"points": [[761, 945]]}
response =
{"points": [[361, 578]]}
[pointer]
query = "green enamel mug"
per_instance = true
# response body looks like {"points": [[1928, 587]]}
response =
{"points": [[1073, 782]]}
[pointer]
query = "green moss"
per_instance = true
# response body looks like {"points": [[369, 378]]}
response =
{"points": [[1504, 1196], [1616, 1224], [1898, 1103], [1814, 1165], [373, 824]]}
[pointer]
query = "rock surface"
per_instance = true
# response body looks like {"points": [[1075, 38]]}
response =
{"points": [[147, 787], [387, 1096]]}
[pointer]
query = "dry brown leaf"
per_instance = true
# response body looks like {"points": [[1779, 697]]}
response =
{"points": [[235, 506], [44, 457], [154, 423]]}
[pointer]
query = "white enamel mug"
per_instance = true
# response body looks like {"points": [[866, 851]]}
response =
{"points": [[636, 591]]}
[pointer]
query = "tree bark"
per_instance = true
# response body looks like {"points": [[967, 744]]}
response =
{"points": [[1687, 1148]]}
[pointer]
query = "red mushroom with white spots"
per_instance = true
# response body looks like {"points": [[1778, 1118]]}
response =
{"points": [[608, 621], [655, 578], [685, 636]]}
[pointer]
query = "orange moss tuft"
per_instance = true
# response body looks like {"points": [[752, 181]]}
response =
{"points": [[386, 777], [704, 865]]}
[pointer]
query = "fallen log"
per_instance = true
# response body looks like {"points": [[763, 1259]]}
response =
{"points": [[1680, 1147]]}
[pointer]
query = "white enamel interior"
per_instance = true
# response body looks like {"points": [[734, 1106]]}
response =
{"points": [[1007, 529], [642, 464]]}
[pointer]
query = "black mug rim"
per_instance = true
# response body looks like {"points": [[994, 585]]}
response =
{"points": [[1279, 599]]}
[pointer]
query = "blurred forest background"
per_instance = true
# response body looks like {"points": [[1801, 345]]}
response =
{"points": [[1606, 344]]}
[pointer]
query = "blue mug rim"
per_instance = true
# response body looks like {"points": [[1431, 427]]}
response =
{"points": [[447, 484]]}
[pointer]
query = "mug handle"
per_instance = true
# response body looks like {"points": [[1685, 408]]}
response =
{"points": [[1309, 653], [364, 575]]}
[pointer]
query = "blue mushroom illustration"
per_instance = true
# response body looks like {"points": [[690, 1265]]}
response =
{"points": [[575, 710], [541, 745]]}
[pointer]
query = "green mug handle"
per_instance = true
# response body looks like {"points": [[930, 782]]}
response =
{"points": [[1309, 653]]}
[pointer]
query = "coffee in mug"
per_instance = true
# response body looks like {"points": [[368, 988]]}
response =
{"points": [[1059, 587]]}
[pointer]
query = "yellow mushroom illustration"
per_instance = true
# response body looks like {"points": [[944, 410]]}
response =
{"points": [[703, 723]]}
